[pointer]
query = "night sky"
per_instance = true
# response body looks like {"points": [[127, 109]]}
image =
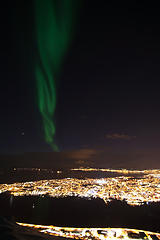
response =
{"points": [[107, 108]]}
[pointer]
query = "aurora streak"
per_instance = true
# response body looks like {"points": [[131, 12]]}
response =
{"points": [[54, 25]]}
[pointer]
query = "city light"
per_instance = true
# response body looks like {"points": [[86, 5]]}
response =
{"points": [[134, 190], [94, 233]]}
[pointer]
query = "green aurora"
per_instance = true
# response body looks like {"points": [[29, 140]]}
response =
{"points": [[55, 21]]}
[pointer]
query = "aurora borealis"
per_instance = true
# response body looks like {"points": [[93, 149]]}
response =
{"points": [[54, 23]]}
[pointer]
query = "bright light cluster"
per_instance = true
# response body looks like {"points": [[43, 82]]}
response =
{"points": [[135, 191], [124, 171], [94, 233]]}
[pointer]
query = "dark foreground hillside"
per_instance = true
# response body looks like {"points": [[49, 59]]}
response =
{"points": [[9, 230], [80, 212]]}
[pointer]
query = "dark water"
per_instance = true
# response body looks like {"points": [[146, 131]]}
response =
{"points": [[28, 175], [78, 212]]}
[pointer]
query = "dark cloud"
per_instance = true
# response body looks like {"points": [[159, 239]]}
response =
{"points": [[84, 163], [120, 136], [82, 154]]}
